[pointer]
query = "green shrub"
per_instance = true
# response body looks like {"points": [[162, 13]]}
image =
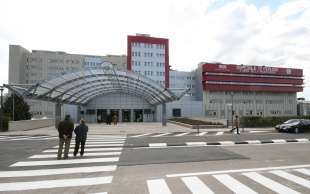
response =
{"points": [[267, 121], [5, 123], [194, 122]]}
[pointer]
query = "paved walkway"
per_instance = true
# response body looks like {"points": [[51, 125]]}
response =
{"points": [[126, 128]]}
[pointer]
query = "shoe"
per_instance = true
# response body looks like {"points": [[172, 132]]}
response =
{"points": [[238, 133]]}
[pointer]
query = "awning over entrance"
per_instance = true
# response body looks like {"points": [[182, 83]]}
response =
{"points": [[81, 87]]}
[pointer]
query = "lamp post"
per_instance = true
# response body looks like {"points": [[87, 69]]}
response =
{"points": [[232, 109], [1, 110]]}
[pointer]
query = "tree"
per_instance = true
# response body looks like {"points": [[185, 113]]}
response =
{"points": [[21, 108]]}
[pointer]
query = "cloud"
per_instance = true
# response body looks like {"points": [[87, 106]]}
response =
{"points": [[230, 32]]}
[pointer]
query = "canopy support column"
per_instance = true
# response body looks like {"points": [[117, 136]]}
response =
{"points": [[78, 113], [57, 114], [163, 115]]}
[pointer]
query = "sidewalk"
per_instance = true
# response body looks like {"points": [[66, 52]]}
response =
{"points": [[127, 128]]}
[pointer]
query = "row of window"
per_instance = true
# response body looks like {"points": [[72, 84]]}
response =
{"points": [[146, 45], [147, 63], [147, 54], [246, 101], [247, 112]]}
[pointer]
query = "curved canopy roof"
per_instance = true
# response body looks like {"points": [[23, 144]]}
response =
{"points": [[81, 87]]}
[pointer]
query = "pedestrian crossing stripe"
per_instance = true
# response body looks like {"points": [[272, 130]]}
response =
{"points": [[96, 145], [57, 171], [85, 154], [87, 150], [196, 186], [68, 161], [47, 184]]}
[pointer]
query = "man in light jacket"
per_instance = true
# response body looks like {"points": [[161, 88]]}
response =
{"points": [[80, 138]]}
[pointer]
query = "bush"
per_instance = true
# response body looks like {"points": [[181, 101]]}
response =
{"points": [[194, 122], [267, 121], [5, 123]]}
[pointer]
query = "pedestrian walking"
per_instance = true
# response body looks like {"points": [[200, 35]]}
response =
{"points": [[237, 124], [65, 129], [80, 137]]}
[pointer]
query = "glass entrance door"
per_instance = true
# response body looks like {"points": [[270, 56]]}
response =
{"points": [[126, 115], [101, 115], [138, 115]]}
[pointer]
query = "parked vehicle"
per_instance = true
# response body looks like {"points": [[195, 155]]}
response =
{"points": [[294, 126]]}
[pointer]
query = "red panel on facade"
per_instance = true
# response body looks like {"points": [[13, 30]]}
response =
{"points": [[149, 40], [245, 69], [218, 87], [245, 79]]}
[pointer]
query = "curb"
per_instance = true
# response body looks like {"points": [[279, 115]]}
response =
{"points": [[217, 143]]}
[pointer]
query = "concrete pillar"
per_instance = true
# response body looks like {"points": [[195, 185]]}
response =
{"points": [[78, 113], [131, 115], [57, 113], [164, 115], [120, 117]]}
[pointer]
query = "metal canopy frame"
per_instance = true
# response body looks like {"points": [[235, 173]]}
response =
{"points": [[80, 88]]}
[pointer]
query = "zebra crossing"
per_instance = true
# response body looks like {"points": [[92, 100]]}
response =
{"points": [[44, 173], [180, 134], [286, 180], [5, 138]]}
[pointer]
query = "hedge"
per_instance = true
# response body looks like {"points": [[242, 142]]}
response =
{"points": [[194, 122], [267, 121], [5, 123]]}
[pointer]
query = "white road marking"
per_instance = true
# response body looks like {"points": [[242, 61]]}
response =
{"points": [[254, 142], [196, 186], [201, 133], [181, 134], [86, 150], [293, 178], [196, 143], [238, 170], [68, 161], [233, 184], [96, 145], [158, 186], [160, 135], [302, 140], [85, 154], [270, 184], [219, 133], [227, 143], [19, 186], [303, 171], [100, 193], [44, 172], [157, 145], [141, 135], [102, 142], [278, 141], [257, 131]]}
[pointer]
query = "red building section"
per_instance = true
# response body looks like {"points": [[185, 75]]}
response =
{"points": [[149, 40], [227, 77]]}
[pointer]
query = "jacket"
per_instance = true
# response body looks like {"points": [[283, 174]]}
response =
{"points": [[81, 132], [65, 127]]}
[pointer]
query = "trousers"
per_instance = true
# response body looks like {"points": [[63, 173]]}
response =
{"points": [[63, 141], [77, 145]]}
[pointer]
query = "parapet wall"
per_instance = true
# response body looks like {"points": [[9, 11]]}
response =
{"points": [[30, 124]]}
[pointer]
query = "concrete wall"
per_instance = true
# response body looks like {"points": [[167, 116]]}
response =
{"points": [[30, 124]]}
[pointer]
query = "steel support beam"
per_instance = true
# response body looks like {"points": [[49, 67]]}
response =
{"points": [[163, 115], [57, 114]]}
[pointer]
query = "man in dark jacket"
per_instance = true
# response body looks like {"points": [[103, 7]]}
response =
{"points": [[80, 138], [65, 129]]}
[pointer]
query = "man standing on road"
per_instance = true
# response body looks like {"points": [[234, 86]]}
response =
{"points": [[237, 123], [65, 129], [80, 137]]}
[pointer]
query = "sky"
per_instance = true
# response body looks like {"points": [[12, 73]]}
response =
{"points": [[252, 32]]}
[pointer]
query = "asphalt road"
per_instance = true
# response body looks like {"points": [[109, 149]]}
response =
{"points": [[145, 170]]}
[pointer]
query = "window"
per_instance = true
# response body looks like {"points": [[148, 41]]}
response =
{"points": [[176, 112], [90, 111]]}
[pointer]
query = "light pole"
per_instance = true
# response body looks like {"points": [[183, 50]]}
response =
{"points": [[232, 109], [1, 110]]}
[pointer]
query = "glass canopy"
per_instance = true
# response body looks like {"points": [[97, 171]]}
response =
{"points": [[81, 87]]}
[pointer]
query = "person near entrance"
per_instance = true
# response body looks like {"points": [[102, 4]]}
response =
{"points": [[65, 129], [114, 118], [80, 137], [237, 124]]}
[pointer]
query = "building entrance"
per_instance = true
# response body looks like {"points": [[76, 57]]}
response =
{"points": [[114, 112], [138, 115], [126, 115], [101, 115]]}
